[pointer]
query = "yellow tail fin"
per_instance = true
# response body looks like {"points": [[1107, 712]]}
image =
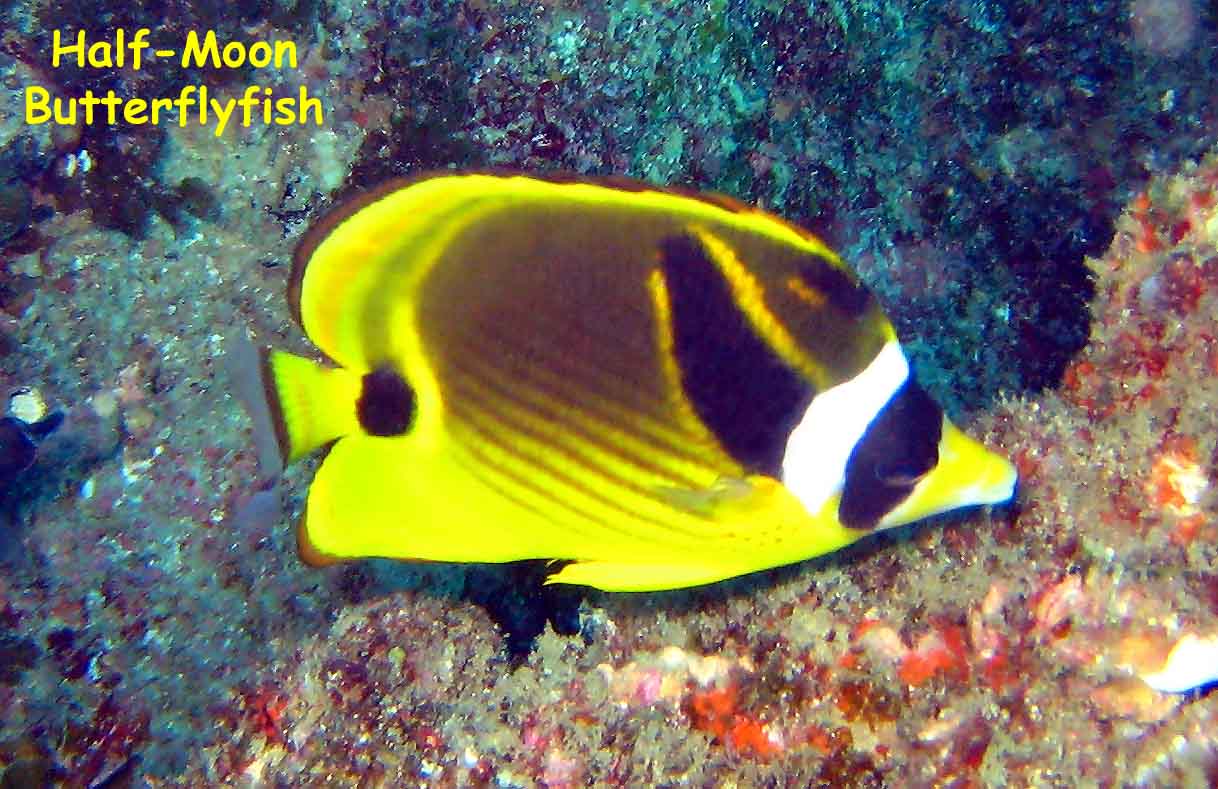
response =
{"points": [[310, 405]]}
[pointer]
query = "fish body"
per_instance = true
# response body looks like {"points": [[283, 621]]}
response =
{"points": [[656, 389]]}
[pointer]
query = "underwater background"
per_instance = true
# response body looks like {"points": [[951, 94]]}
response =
{"points": [[1028, 187]]}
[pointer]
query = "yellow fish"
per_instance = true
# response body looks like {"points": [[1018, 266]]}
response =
{"points": [[655, 388]]}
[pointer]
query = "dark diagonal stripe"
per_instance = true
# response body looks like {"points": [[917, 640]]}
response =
{"points": [[547, 406], [574, 432], [470, 394], [647, 424], [562, 477], [485, 469], [549, 492], [585, 369], [570, 381]]}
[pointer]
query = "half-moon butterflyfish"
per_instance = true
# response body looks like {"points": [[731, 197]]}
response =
{"points": [[654, 388]]}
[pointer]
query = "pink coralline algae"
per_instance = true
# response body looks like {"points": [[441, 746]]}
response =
{"points": [[1119, 472], [1150, 370]]}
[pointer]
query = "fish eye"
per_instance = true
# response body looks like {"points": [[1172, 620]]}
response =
{"points": [[899, 475]]}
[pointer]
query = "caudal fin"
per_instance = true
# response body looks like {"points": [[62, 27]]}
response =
{"points": [[295, 404], [310, 405]]}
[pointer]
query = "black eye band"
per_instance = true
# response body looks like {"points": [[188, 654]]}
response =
{"points": [[898, 448]]}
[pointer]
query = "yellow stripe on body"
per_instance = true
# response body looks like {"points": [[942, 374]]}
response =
{"points": [[813, 298], [382, 246], [681, 450], [534, 424], [357, 292], [603, 486], [552, 520], [750, 297], [575, 518], [567, 424], [665, 345], [357, 296], [690, 209], [397, 238]]}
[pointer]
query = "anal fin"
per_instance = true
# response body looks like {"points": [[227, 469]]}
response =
{"points": [[615, 576]]}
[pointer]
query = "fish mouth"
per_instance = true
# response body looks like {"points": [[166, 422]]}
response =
{"points": [[967, 475]]}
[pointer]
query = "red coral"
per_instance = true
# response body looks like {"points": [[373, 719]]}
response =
{"points": [[830, 741], [264, 713], [716, 712], [1147, 238], [942, 650]]}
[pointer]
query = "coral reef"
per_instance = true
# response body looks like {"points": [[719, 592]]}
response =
{"points": [[1100, 590]]}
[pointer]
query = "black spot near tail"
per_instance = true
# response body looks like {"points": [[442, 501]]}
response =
{"points": [[386, 404], [740, 388]]}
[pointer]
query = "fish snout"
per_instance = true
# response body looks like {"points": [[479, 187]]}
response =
{"points": [[967, 474]]}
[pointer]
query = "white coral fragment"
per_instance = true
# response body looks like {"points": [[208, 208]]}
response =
{"points": [[1192, 662]]}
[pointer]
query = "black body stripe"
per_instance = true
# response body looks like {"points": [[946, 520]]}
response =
{"points": [[899, 446], [740, 388]]}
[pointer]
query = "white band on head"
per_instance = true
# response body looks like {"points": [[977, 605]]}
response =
{"points": [[814, 466]]}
